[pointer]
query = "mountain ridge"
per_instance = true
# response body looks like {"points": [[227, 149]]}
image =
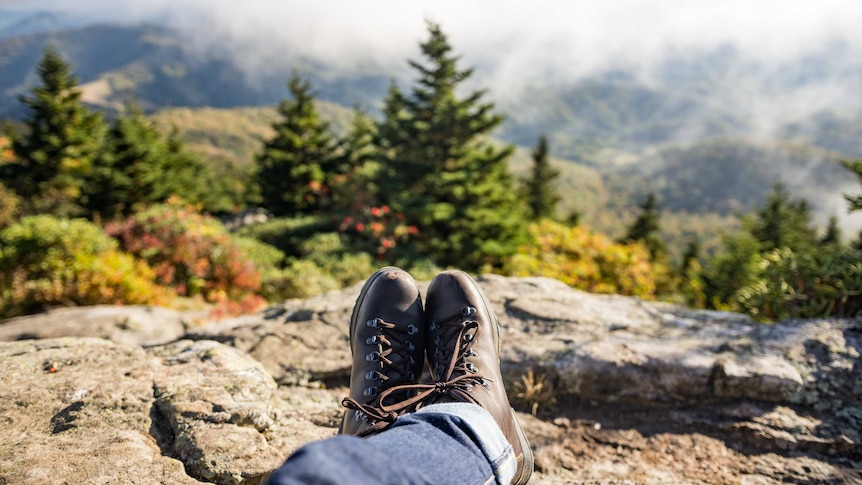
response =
{"points": [[617, 124]]}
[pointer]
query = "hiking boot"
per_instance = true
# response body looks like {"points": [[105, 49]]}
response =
{"points": [[387, 341], [463, 347]]}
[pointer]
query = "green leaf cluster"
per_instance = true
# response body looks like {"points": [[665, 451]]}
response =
{"points": [[47, 262], [778, 268]]}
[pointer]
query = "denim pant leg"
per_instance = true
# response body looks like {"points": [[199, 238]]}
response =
{"points": [[455, 443]]}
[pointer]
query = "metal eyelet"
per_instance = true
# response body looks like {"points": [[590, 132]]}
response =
{"points": [[371, 375], [372, 323], [468, 337], [372, 357], [410, 346], [370, 391], [468, 310], [472, 368], [372, 340], [412, 329]]}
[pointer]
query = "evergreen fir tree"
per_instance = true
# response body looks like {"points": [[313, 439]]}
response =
{"points": [[140, 166], [646, 228], [351, 183], [291, 173], [186, 176], [833, 232], [690, 254], [128, 170], [63, 137], [538, 188], [857, 244], [440, 172], [855, 167], [783, 222]]}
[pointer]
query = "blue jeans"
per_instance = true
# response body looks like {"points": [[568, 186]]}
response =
{"points": [[439, 444]]}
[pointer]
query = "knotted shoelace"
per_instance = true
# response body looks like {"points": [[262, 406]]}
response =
{"points": [[394, 355], [454, 345]]}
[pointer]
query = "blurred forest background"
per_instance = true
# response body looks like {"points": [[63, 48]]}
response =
{"points": [[129, 161]]}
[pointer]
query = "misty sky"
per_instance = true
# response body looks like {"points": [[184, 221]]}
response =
{"points": [[570, 38]]}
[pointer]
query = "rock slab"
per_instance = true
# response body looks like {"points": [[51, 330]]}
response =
{"points": [[626, 390]]}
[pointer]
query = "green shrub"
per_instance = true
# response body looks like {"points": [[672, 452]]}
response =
{"points": [[790, 284], [287, 233], [190, 252], [325, 262], [46, 261], [9, 206], [585, 260], [301, 279]]}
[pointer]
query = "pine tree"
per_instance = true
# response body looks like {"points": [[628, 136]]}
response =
{"points": [[63, 137], [440, 172], [355, 160], [646, 228], [186, 176], [140, 166], [783, 222], [291, 172], [833, 232], [128, 170], [538, 189], [855, 167]]}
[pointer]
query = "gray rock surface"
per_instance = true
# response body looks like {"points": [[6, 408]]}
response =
{"points": [[78, 410], [143, 325], [625, 390]]}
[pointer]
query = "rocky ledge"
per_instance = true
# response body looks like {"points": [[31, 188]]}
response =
{"points": [[612, 389]]}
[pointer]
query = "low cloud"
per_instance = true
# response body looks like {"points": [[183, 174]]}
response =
{"points": [[514, 38]]}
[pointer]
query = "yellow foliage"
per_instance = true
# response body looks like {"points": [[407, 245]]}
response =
{"points": [[585, 260]]}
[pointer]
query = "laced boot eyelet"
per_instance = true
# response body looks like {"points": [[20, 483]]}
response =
{"points": [[468, 311], [472, 368], [372, 323], [412, 329], [374, 339], [410, 346], [370, 391], [372, 357], [371, 375], [468, 337]]}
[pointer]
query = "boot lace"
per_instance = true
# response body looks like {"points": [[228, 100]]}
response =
{"points": [[455, 375], [393, 349]]}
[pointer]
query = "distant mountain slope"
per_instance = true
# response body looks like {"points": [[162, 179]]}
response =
{"points": [[729, 175], [682, 133], [237, 134], [158, 68]]}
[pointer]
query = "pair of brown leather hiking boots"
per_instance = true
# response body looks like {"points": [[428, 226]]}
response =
{"points": [[390, 336]]}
